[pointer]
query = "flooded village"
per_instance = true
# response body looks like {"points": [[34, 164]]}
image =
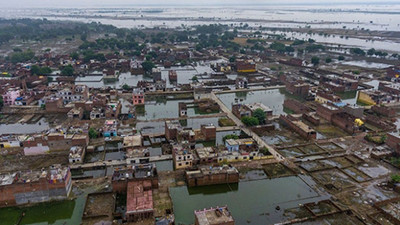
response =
{"points": [[207, 122]]}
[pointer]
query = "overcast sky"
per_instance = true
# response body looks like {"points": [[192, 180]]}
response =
{"points": [[132, 3]]}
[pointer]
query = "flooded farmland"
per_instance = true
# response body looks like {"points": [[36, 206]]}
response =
{"points": [[261, 197], [272, 98]]}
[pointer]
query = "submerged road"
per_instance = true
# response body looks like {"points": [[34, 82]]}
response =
{"points": [[249, 132]]}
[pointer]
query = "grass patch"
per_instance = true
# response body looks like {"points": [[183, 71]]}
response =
{"points": [[288, 111], [226, 122], [347, 94], [362, 103], [200, 112]]}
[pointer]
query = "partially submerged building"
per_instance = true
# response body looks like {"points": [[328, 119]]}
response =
{"points": [[182, 157], [140, 172], [212, 175], [49, 184], [214, 216]]}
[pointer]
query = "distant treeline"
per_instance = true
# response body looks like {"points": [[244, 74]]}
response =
{"points": [[41, 29]]}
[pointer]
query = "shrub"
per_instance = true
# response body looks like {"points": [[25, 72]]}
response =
{"points": [[250, 121]]}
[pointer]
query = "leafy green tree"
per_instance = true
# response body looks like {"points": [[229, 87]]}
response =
{"points": [[74, 55], [36, 70], [22, 56], [358, 51], [67, 71], [341, 58], [315, 60], [395, 178], [1, 102], [328, 60], [260, 115], [92, 133], [310, 40], [126, 87], [195, 79], [148, 66], [371, 51], [250, 121]]}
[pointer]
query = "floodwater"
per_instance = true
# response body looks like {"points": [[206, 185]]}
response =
{"points": [[151, 127], [164, 165], [365, 64], [374, 83], [59, 212], [342, 40], [124, 78], [367, 16], [185, 75], [195, 123], [221, 134], [373, 17], [272, 98], [162, 108], [26, 128], [259, 197]]}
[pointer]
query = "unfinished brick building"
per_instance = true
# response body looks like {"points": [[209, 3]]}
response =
{"points": [[35, 186], [296, 106], [345, 122], [213, 175], [298, 126], [139, 201]]}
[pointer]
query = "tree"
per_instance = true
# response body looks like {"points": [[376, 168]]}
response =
{"points": [[67, 71], [260, 115], [22, 56], [250, 121], [395, 178], [1, 102], [195, 79], [315, 60], [74, 56], [84, 37], [36, 70], [371, 51], [328, 60], [358, 51], [230, 136], [148, 66], [341, 58], [92, 133], [310, 40], [126, 87], [265, 151]]}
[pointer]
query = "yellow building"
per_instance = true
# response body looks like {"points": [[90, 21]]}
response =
{"points": [[366, 98]]}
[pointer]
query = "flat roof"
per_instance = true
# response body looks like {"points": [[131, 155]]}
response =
{"points": [[139, 197], [213, 216], [133, 141]]}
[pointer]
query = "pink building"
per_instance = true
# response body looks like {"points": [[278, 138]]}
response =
{"points": [[11, 95], [138, 97]]}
